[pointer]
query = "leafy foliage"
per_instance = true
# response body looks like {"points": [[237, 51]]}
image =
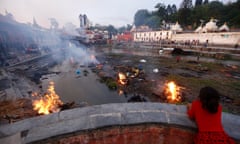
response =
{"points": [[198, 2], [190, 16], [141, 17], [186, 4], [205, 2]]}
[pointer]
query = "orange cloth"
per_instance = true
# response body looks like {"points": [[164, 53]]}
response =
{"points": [[210, 129]]}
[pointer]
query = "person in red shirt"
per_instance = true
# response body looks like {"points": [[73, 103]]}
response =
{"points": [[206, 111]]}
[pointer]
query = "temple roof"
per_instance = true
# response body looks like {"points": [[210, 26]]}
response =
{"points": [[211, 26], [224, 27], [176, 27]]}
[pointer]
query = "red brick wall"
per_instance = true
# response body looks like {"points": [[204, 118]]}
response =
{"points": [[138, 134], [135, 134]]}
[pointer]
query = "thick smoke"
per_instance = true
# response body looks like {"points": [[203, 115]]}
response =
{"points": [[62, 43], [70, 29], [81, 54], [67, 42]]}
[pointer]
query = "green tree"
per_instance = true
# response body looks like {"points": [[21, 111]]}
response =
{"points": [[169, 10], [161, 11], [129, 27], [205, 2], [186, 4], [216, 9], [140, 17], [153, 22], [184, 16], [122, 29], [171, 13], [111, 29], [184, 13], [188, 15], [199, 13], [232, 14], [198, 2], [174, 8]]}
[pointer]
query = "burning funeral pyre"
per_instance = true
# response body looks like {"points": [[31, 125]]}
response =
{"points": [[47, 103], [19, 109], [172, 92], [122, 79], [132, 82]]}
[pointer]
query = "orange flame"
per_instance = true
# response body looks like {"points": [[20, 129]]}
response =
{"points": [[122, 79], [50, 102], [172, 92], [120, 92], [93, 57]]}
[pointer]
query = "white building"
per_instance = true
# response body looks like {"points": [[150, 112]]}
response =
{"points": [[224, 28], [210, 32], [176, 28], [152, 36]]}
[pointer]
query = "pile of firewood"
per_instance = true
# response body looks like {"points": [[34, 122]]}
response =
{"points": [[15, 110]]}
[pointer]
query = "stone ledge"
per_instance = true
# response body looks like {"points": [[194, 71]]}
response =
{"points": [[43, 127]]}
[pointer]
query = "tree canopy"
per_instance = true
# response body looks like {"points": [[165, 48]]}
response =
{"points": [[186, 4], [198, 2], [189, 15], [141, 17]]}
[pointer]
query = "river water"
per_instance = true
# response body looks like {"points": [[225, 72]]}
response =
{"points": [[79, 88]]}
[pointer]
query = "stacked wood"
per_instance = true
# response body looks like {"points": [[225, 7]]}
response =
{"points": [[15, 110]]}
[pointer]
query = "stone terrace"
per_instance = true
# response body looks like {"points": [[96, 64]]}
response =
{"points": [[112, 123]]}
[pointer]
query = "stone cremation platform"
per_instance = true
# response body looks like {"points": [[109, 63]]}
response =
{"points": [[107, 115]]}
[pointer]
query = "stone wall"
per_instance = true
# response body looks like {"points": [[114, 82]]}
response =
{"points": [[219, 38], [224, 38], [160, 122]]}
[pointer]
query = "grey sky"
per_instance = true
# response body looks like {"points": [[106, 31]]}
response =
{"points": [[104, 12]]}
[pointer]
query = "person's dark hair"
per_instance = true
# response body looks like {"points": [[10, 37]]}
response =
{"points": [[209, 98]]}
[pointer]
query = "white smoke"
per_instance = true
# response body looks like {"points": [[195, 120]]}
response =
{"points": [[81, 54], [61, 43], [54, 23], [70, 29]]}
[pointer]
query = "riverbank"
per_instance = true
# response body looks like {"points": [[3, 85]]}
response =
{"points": [[187, 73], [100, 84]]}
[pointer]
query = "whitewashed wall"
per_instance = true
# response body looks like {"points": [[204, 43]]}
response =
{"points": [[225, 38], [151, 36]]}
